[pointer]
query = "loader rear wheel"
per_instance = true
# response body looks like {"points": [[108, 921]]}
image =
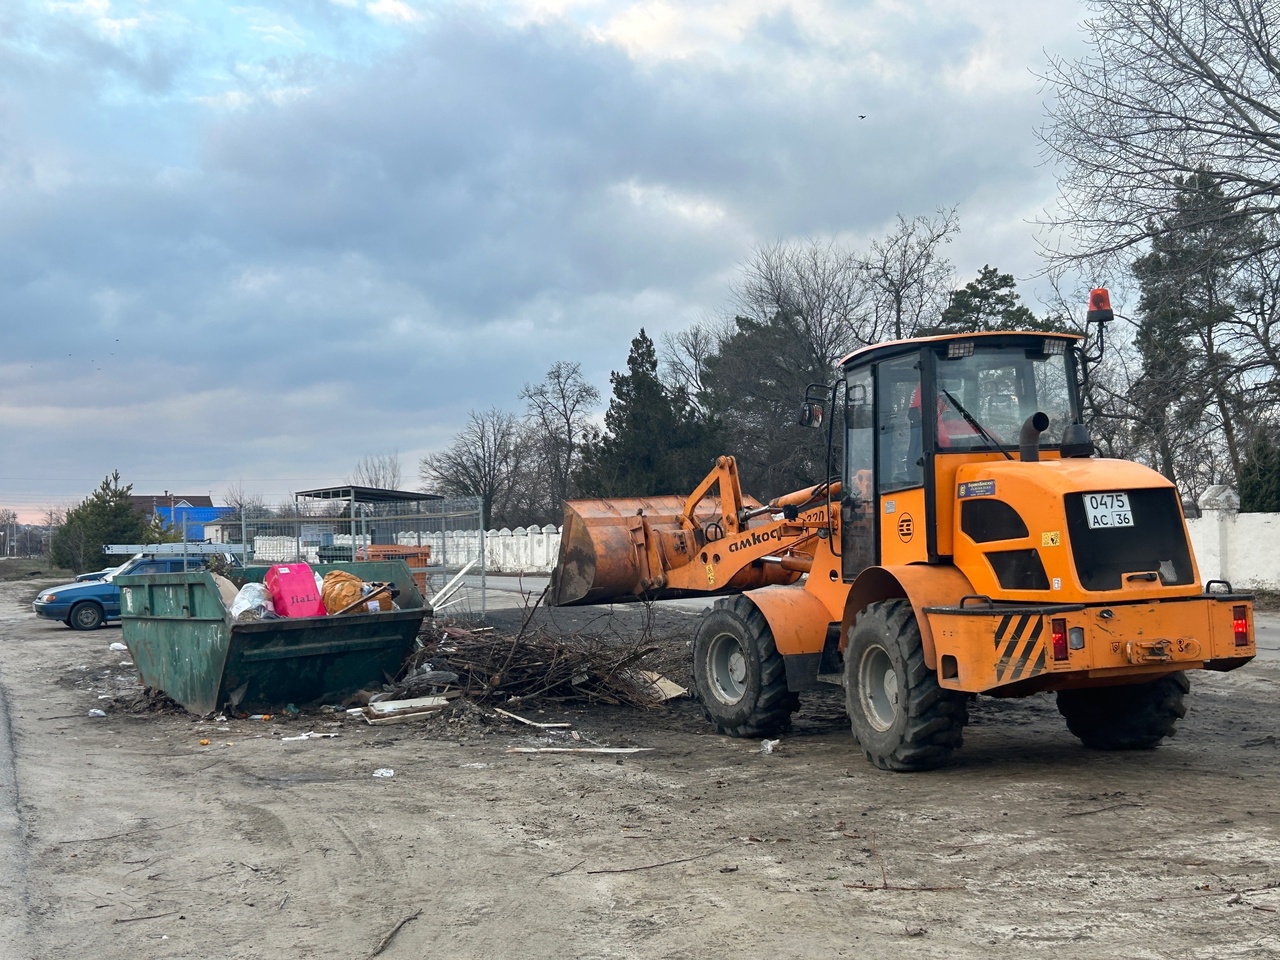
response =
{"points": [[1129, 717], [738, 673], [900, 716]]}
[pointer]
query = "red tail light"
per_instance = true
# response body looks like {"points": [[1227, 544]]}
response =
{"points": [[1060, 639], [1240, 624]]}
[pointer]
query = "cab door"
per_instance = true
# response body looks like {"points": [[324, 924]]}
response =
{"points": [[858, 499]]}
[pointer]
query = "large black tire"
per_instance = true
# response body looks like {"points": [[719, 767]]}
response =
{"points": [[738, 673], [1129, 717], [85, 616], [901, 717]]}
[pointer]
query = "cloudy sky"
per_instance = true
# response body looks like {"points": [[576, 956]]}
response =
{"points": [[250, 244]]}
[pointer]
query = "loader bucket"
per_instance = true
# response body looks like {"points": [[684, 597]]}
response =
{"points": [[600, 561]]}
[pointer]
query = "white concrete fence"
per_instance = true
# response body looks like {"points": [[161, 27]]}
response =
{"points": [[522, 550], [1243, 548]]}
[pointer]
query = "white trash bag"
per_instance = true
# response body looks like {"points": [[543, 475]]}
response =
{"points": [[253, 602]]}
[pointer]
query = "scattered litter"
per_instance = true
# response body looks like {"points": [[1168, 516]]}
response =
{"points": [[309, 735], [533, 723], [767, 746], [579, 749], [97, 713], [118, 647], [204, 743], [384, 773]]}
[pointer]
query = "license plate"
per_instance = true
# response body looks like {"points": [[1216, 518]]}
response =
{"points": [[1106, 510]]}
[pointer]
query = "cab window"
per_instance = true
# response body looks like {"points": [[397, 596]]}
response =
{"points": [[900, 461]]}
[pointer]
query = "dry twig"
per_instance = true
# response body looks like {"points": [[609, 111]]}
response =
{"points": [[385, 941], [664, 863]]}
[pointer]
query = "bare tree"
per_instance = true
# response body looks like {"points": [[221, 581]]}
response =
{"points": [[819, 285], [8, 530], [248, 506], [909, 279], [559, 410], [381, 471], [685, 354], [1171, 89], [487, 459]]}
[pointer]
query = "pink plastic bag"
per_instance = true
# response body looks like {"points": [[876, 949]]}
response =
{"points": [[293, 590]]}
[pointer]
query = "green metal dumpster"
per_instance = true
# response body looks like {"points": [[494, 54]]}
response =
{"points": [[184, 642]]}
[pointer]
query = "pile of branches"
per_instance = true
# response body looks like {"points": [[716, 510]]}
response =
{"points": [[534, 666]]}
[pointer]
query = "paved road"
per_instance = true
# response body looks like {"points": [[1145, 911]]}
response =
{"points": [[1267, 626]]}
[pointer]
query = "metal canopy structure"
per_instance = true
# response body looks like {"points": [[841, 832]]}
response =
{"points": [[354, 494]]}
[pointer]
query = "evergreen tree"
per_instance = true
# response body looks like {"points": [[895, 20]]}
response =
{"points": [[106, 516], [654, 441], [990, 302], [1260, 476], [1188, 386], [756, 380]]}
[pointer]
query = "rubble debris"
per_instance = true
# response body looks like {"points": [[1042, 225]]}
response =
{"points": [[148, 700], [663, 689], [384, 773], [401, 711], [533, 723], [533, 667], [423, 681]]}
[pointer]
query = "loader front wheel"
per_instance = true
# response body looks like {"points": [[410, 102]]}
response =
{"points": [[902, 719], [1129, 717], [739, 675]]}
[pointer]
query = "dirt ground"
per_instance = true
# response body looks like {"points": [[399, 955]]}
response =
{"points": [[123, 837]]}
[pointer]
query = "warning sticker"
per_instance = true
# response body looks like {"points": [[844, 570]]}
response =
{"points": [[1052, 538]]}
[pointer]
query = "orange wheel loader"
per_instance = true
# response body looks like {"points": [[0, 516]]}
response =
{"points": [[974, 544]]}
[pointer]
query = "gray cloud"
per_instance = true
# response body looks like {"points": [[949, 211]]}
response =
{"points": [[318, 276]]}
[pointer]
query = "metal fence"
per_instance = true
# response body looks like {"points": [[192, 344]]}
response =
{"points": [[436, 538]]}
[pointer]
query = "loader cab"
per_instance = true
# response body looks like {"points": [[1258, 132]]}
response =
{"points": [[917, 410]]}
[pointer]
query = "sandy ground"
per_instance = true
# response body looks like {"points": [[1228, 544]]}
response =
{"points": [[124, 837]]}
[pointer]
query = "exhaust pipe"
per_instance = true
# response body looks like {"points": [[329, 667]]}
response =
{"points": [[1029, 437]]}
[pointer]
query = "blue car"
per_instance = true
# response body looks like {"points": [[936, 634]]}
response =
{"points": [[88, 604]]}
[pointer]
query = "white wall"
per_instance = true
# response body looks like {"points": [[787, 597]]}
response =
{"points": [[522, 550], [1241, 548]]}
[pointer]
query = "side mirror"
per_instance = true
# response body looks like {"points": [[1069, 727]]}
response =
{"points": [[811, 414]]}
